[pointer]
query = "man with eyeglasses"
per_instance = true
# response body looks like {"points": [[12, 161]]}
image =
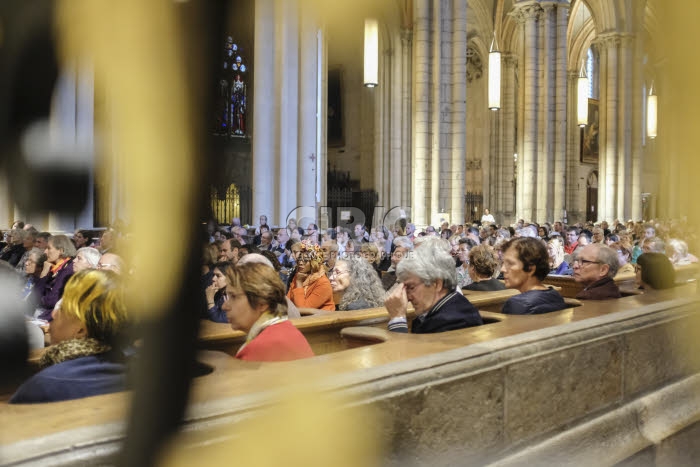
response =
{"points": [[427, 279], [595, 267]]}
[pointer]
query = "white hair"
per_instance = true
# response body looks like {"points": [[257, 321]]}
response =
{"points": [[254, 258], [91, 255]]}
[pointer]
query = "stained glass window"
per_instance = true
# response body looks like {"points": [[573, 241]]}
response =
{"points": [[232, 103]]}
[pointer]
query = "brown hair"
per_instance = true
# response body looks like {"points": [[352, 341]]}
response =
{"points": [[261, 284], [532, 253], [481, 258]]}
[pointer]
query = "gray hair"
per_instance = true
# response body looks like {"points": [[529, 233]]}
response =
{"points": [[364, 284], [430, 263], [63, 243], [607, 255], [437, 242], [91, 255], [254, 258], [404, 242]]}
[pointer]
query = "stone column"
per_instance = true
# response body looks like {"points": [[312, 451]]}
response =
{"points": [[421, 113], [610, 123], [506, 189], [624, 135], [560, 181], [394, 181], [529, 16], [603, 178], [573, 186], [307, 111], [459, 110], [545, 134], [406, 112], [265, 121]]}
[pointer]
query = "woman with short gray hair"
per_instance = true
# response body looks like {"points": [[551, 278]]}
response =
{"points": [[87, 257]]}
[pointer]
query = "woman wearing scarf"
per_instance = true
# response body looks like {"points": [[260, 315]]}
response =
{"points": [[85, 358], [255, 304], [310, 288], [58, 268]]}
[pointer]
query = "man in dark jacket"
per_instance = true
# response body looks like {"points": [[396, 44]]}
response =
{"points": [[594, 267], [428, 280]]}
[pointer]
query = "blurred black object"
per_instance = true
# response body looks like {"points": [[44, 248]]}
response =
{"points": [[29, 74]]}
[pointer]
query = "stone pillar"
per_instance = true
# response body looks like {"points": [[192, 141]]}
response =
{"points": [[307, 111], [573, 186], [624, 135], [529, 16], [421, 113], [609, 120], [394, 181], [287, 83], [406, 112], [286, 138], [265, 121], [560, 180], [506, 190], [459, 110], [439, 141], [547, 94]]}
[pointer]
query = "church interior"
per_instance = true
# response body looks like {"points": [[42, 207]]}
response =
{"points": [[166, 116]]}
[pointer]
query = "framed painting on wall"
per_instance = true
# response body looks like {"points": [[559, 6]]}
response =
{"points": [[589, 135]]}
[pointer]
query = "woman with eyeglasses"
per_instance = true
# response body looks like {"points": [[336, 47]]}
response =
{"points": [[310, 288], [355, 285], [255, 304]]}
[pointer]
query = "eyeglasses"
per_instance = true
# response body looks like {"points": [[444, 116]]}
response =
{"points": [[106, 266], [583, 262], [336, 273], [231, 296]]}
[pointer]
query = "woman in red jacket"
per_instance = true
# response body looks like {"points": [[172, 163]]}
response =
{"points": [[310, 287], [255, 304]]}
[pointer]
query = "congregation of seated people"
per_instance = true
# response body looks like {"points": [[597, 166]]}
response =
{"points": [[256, 278]]}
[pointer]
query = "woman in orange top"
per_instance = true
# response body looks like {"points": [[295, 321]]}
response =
{"points": [[310, 288]]}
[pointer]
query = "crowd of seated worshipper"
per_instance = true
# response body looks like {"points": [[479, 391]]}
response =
{"points": [[87, 353], [355, 284]]}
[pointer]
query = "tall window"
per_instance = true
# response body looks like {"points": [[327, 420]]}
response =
{"points": [[590, 60]]}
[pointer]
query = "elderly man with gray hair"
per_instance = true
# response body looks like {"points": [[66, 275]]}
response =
{"points": [[595, 266], [427, 279]]}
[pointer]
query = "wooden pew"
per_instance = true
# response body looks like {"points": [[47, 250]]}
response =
{"points": [[402, 368], [626, 282], [322, 328]]}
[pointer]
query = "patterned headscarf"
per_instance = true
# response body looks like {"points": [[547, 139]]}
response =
{"points": [[311, 253]]}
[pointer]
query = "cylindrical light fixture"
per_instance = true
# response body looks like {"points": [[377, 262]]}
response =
{"points": [[494, 75], [371, 53], [582, 103], [652, 109]]}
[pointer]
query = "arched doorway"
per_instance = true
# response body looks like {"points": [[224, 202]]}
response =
{"points": [[592, 196]]}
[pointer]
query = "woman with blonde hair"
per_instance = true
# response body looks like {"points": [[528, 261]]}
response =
{"points": [[310, 288], [86, 357], [255, 304]]}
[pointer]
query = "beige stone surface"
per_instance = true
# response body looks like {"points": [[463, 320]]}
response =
{"points": [[553, 389], [440, 424], [658, 354], [681, 449]]}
